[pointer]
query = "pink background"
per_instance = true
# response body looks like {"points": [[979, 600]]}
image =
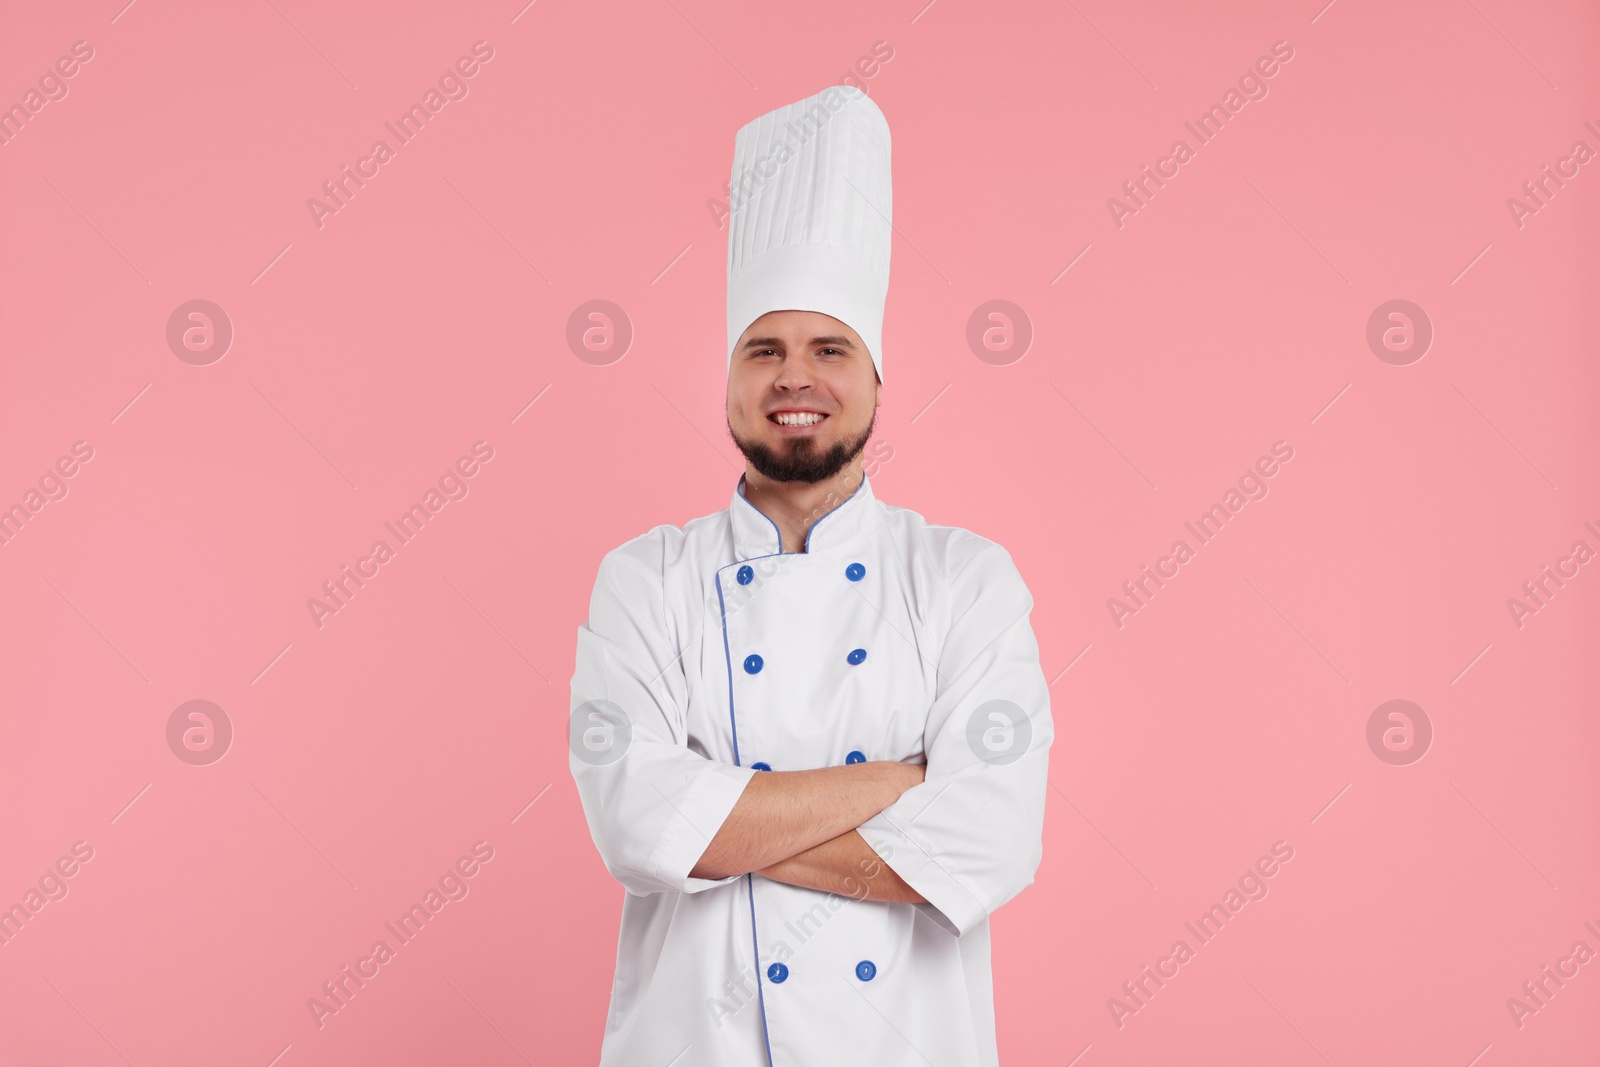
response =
{"points": [[368, 354]]}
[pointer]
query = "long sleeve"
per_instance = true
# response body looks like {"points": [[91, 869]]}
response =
{"points": [[970, 837], [652, 804]]}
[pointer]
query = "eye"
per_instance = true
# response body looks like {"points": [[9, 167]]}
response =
{"points": [[835, 351]]}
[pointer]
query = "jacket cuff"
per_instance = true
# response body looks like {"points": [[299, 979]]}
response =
{"points": [[950, 904], [696, 818]]}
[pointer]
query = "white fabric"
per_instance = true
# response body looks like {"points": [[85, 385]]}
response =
{"points": [[810, 209], [943, 616]]}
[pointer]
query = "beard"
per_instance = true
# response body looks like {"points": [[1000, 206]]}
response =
{"points": [[799, 459]]}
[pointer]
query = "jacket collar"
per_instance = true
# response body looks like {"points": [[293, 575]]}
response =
{"points": [[756, 535]]}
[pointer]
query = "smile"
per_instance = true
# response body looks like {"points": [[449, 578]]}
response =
{"points": [[796, 418]]}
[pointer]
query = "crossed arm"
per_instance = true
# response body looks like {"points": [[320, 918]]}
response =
{"points": [[799, 827], [969, 846]]}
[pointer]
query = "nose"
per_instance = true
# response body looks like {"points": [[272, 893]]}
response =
{"points": [[794, 376]]}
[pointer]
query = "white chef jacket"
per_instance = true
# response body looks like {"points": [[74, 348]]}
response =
{"points": [[720, 656]]}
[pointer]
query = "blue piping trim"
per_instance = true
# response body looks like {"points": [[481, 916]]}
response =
{"points": [[775, 531], [825, 518], [733, 721], [749, 879], [755, 945], [779, 534]]}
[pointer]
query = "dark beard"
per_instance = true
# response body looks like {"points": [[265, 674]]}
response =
{"points": [[801, 462]]}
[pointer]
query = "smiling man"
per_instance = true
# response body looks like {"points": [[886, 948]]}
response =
{"points": [[809, 732], [802, 399]]}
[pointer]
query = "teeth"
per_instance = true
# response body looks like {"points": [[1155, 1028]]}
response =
{"points": [[798, 418]]}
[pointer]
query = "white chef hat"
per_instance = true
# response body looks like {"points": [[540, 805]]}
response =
{"points": [[809, 209]]}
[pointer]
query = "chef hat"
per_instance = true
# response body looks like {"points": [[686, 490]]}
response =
{"points": [[809, 207]]}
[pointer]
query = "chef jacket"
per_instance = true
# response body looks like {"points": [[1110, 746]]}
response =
{"points": [[711, 655]]}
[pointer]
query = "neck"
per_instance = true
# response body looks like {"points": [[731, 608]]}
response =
{"points": [[795, 507]]}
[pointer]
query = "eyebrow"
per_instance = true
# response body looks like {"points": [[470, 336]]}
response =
{"points": [[775, 342]]}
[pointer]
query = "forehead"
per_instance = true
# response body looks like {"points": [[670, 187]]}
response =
{"points": [[799, 327]]}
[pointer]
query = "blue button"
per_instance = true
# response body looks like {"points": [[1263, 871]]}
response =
{"points": [[752, 664], [865, 970], [857, 656], [855, 572], [856, 756], [763, 765], [746, 575], [778, 972]]}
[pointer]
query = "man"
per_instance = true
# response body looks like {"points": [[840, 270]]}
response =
{"points": [[810, 732]]}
